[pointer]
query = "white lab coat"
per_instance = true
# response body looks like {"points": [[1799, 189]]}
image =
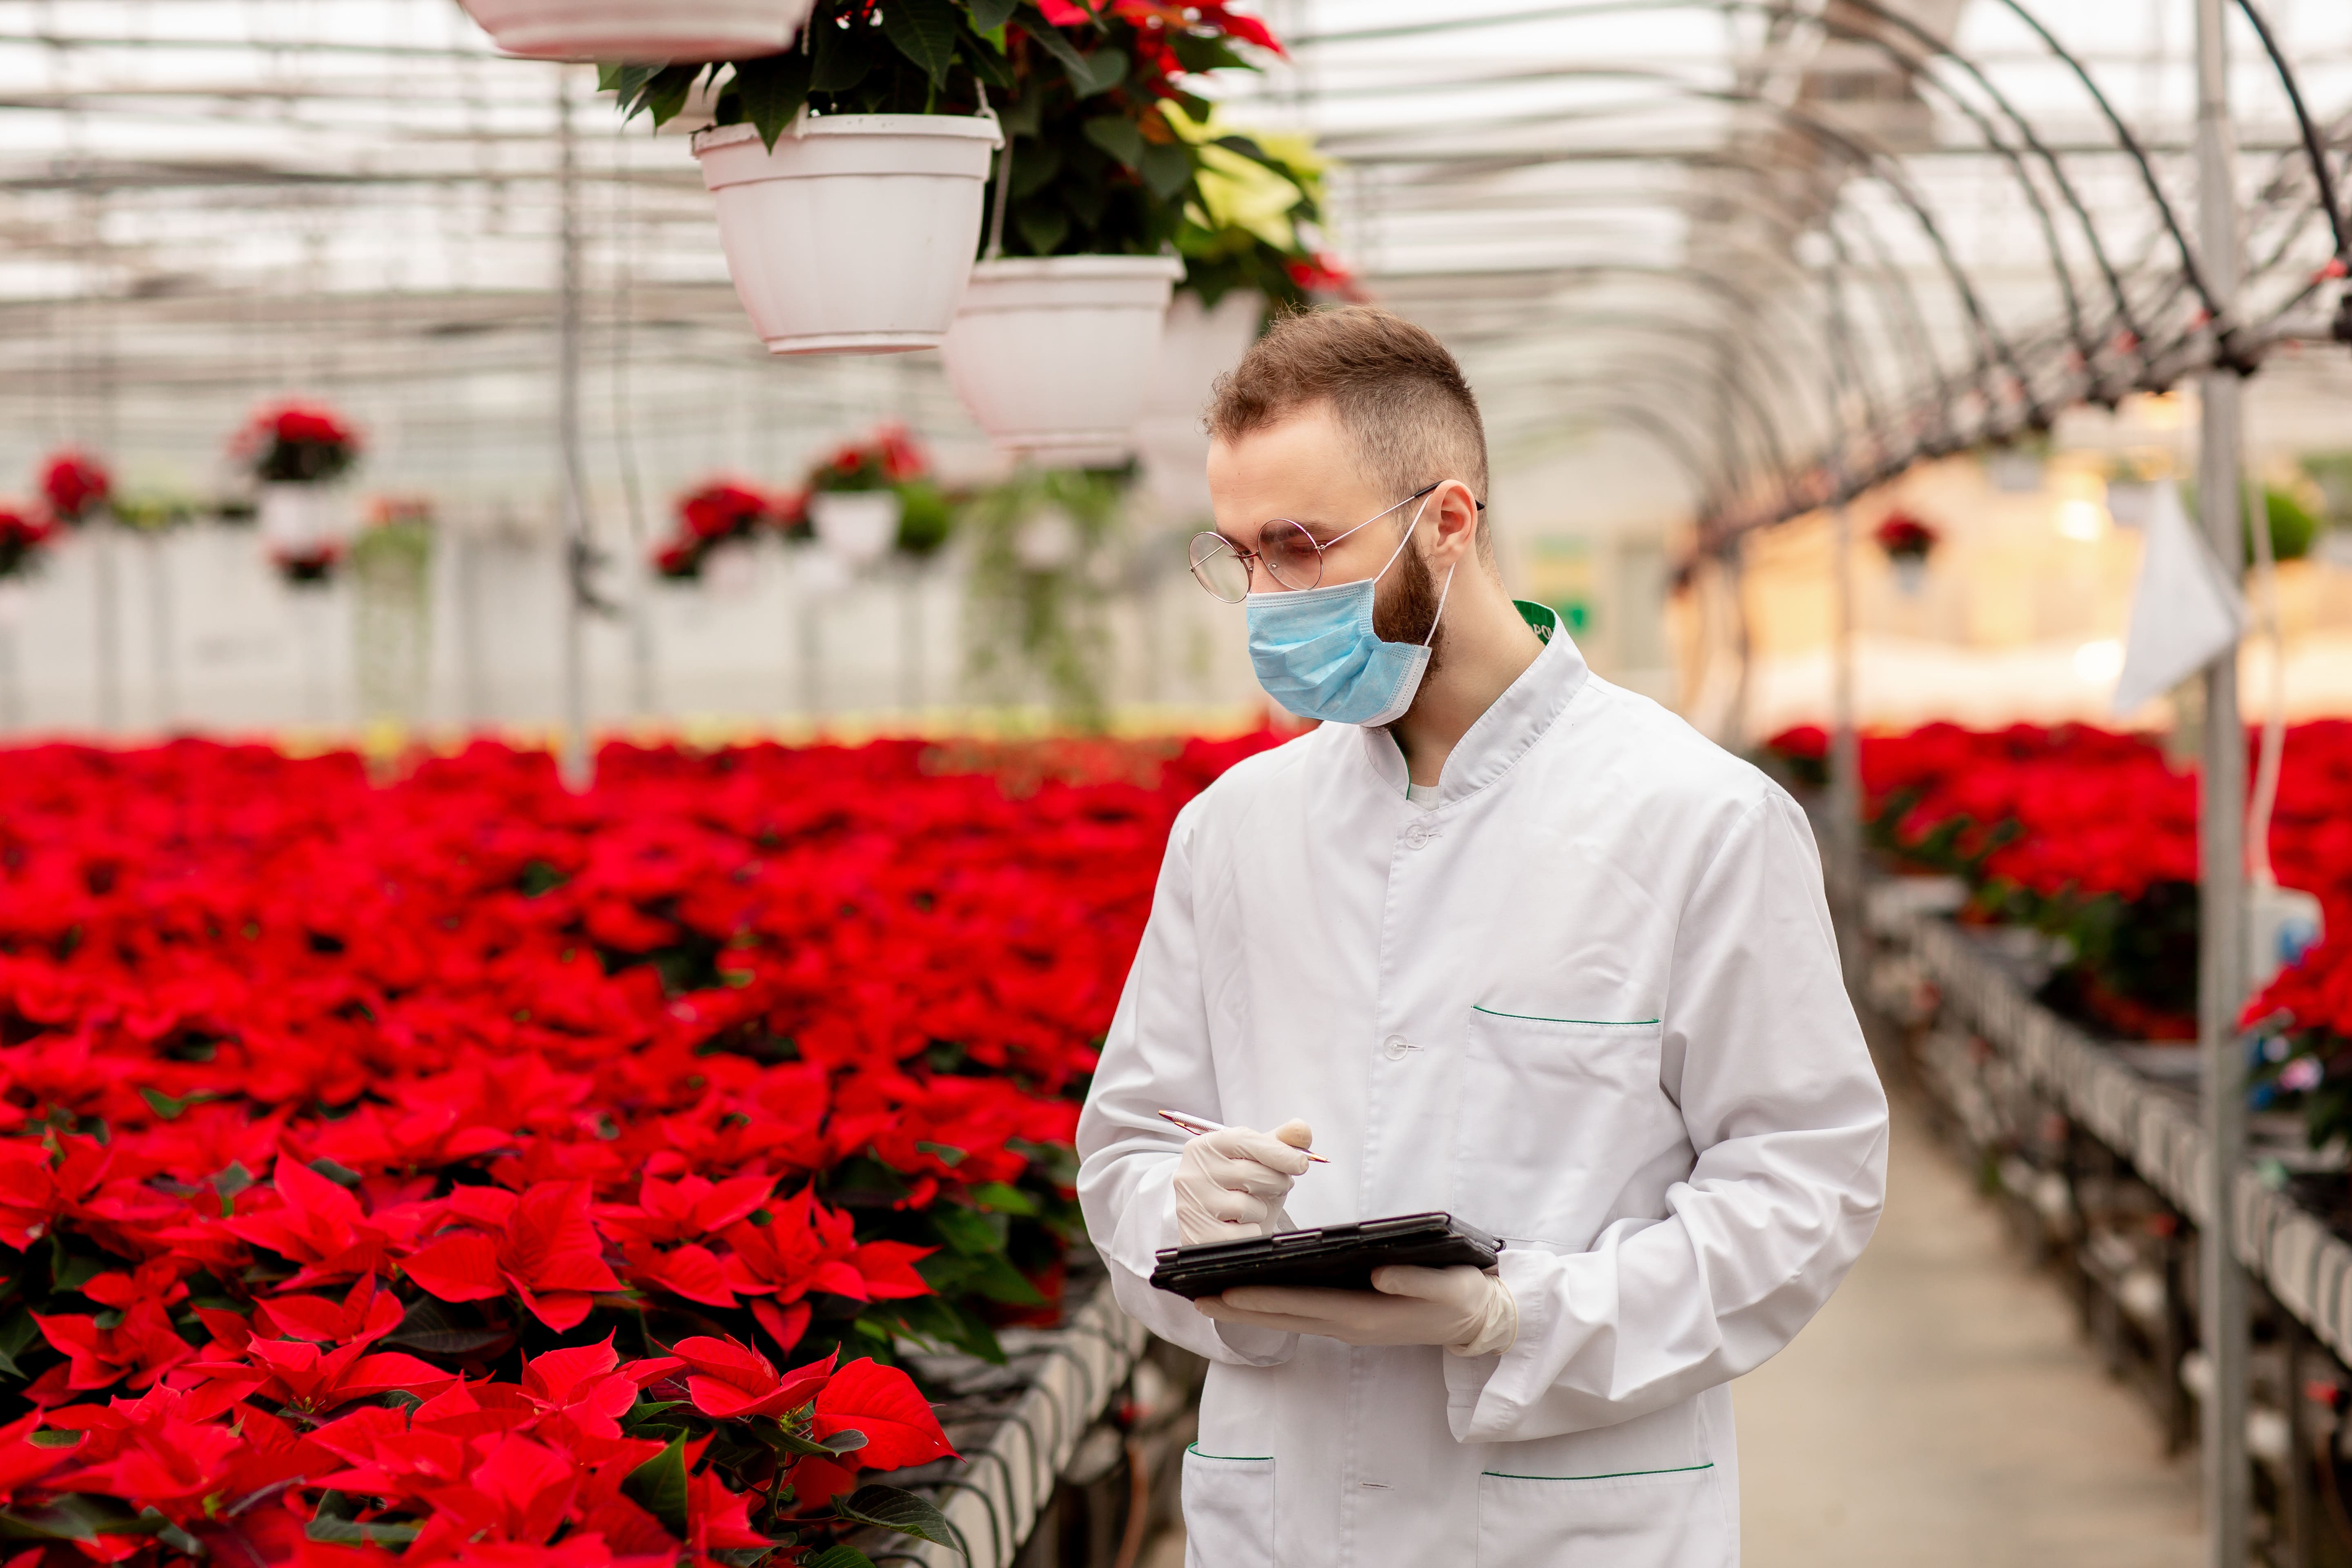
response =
{"points": [[1590, 1001]]}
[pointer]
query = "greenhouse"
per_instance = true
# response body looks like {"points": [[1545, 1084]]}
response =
{"points": [[647, 918]]}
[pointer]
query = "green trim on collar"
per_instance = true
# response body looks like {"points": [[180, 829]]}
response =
{"points": [[1542, 619], [1612, 1476]]}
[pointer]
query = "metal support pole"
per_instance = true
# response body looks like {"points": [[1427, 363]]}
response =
{"points": [[578, 763], [162, 635], [1845, 741], [106, 620], [2222, 1306]]}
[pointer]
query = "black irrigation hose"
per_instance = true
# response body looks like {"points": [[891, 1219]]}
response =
{"points": [[997, 1529]]}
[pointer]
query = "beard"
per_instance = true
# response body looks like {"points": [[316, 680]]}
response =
{"points": [[1405, 607]]}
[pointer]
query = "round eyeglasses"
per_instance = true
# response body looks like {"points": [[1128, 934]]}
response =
{"points": [[1291, 555]]}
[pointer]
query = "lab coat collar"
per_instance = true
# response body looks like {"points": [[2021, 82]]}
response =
{"points": [[1507, 730]]}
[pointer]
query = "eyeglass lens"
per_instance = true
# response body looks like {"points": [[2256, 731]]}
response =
{"points": [[1291, 554], [1218, 569]]}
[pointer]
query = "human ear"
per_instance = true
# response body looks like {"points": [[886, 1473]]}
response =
{"points": [[1453, 515]]}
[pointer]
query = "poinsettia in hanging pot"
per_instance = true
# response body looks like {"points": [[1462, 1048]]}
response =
{"points": [[76, 486], [25, 539], [847, 173], [296, 453], [857, 495], [1909, 542], [1105, 179], [717, 522], [651, 30]]}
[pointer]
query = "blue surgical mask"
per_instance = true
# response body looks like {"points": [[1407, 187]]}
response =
{"points": [[1315, 652]]}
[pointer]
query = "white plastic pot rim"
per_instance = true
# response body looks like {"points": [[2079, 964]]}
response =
{"points": [[1042, 268], [977, 127]]}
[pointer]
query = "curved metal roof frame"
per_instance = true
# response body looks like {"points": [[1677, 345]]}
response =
{"points": [[1810, 297], [2006, 379]]}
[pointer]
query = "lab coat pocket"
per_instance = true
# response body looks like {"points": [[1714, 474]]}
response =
{"points": [[1228, 1512], [1548, 1103], [1655, 1518]]}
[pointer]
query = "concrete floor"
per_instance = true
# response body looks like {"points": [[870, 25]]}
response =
{"points": [[1942, 1411]]}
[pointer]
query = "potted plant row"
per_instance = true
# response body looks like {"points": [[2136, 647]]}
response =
{"points": [[855, 189], [296, 453]]}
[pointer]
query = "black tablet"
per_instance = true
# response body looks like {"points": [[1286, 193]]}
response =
{"points": [[1337, 1257]]}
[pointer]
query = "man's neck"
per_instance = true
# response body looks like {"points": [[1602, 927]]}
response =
{"points": [[1487, 647]]}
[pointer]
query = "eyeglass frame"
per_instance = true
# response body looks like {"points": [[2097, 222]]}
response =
{"points": [[1248, 557]]}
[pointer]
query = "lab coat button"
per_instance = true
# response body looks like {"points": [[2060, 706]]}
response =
{"points": [[1395, 1046], [1417, 836]]}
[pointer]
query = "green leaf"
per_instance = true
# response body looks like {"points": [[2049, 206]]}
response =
{"points": [[987, 15], [995, 1277], [73, 1272], [771, 91], [352, 1532], [1167, 168], [784, 1440], [998, 1197], [1042, 226], [989, 63], [843, 58], [839, 1557], [903, 1512], [428, 1327], [1099, 72], [1050, 40], [666, 94], [968, 1232], [1118, 136], [658, 1486], [342, 1175], [163, 1104], [925, 32], [627, 84], [16, 1334], [75, 1519]]}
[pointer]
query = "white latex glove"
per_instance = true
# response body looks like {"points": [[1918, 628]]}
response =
{"points": [[1230, 1184], [1468, 1311]]}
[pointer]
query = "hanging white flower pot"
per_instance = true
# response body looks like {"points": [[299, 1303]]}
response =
{"points": [[301, 519], [1199, 344], [858, 527], [1053, 356], [855, 235], [641, 31]]}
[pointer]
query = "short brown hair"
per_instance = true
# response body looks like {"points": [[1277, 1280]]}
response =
{"points": [[1393, 388]]}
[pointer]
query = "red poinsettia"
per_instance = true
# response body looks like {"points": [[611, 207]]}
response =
{"points": [[297, 443], [540, 1245], [76, 485], [1905, 537], [334, 1115], [22, 538], [889, 457]]}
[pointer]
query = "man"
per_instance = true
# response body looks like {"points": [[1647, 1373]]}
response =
{"points": [[1497, 939]]}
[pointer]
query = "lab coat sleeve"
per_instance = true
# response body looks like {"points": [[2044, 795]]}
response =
{"points": [[1787, 1122], [1157, 1058]]}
